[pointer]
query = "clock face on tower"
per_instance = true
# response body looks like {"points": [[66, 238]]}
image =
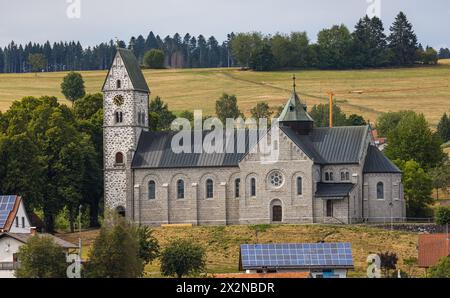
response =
{"points": [[118, 100]]}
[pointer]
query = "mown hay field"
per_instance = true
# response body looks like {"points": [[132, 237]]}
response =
{"points": [[366, 92]]}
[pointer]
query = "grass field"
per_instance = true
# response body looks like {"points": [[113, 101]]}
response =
{"points": [[222, 243], [366, 92]]}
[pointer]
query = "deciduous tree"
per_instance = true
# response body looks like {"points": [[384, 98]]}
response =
{"points": [[41, 257], [73, 86], [181, 258]]}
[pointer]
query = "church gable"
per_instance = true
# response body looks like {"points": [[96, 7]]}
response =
{"points": [[282, 148], [125, 73]]}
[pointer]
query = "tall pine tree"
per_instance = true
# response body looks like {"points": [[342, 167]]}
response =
{"points": [[402, 41]]}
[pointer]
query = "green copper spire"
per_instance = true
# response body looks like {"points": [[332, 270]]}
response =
{"points": [[294, 110]]}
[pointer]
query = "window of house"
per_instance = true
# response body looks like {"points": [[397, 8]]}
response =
{"points": [[299, 186], [380, 191], [209, 189], [23, 222], [119, 117], [151, 190], [253, 187], [118, 84], [237, 187], [119, 158], [180, 189], [327, 176], [17, 221]]}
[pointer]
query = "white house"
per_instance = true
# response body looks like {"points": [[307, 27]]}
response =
{"points": [[15, 231]]}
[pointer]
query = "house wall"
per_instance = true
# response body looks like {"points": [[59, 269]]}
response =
{"points": [[21, 214], [8, 247]]}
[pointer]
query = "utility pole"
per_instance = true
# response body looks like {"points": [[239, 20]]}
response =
{"points": [[79, 227], [331, 94]]}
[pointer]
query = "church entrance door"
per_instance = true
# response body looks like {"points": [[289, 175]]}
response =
{"points": [[277, 214]]}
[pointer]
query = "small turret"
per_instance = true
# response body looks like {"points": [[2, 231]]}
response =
{"points": [[295, 115]]}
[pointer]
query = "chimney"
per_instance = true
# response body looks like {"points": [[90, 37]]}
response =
{"points": [[33, 231]]}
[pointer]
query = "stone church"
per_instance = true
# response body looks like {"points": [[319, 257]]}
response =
{"points": [[321, 175]]}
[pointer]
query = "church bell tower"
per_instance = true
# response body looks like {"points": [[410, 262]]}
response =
{"points": [[125, 115]]}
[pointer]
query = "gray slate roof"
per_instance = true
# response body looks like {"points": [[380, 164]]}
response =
{"points": [[133, 69], [154, 151], [329, 190], [377, 162], [25, 237], [337, 145]]}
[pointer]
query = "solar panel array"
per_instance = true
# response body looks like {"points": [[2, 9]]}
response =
{"points": [[297, 255], [6, 206]]}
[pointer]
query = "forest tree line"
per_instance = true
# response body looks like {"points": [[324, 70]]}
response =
{"points": [[336, 48]]}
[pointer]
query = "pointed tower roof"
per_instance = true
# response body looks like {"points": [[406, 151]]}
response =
{"points": [[294, 110], [134, 71]]}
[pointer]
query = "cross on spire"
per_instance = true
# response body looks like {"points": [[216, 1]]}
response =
{"points": [[293, 82]]}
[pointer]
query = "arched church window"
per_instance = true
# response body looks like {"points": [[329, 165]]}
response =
{"points": [[380, 191], [253, 187], [209, 189], [151, 190], [299, 186], [237, 187], [180, 189], [118, 84], [119, 158], [119, 117]]}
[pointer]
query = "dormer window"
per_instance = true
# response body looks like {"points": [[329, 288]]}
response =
{"points": [[118, 84], [291, 108]]}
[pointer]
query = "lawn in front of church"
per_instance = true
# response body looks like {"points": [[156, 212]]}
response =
{"points": [[222, 243]]}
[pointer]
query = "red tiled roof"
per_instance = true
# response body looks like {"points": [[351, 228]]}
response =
{"points": [[432, 247]]}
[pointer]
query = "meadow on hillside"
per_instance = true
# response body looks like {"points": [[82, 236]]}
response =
{"points": [[222, 243], [365, 92]]}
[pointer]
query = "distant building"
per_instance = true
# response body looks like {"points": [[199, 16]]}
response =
{"points": [[321, 175], [432, 248], [15, 231], [318, 260], [379, 142]]}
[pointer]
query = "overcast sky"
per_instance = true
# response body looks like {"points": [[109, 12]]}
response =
{"points": [[102, 20]]}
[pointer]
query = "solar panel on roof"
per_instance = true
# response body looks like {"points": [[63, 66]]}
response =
{"points": [[296, 255], [6, 206], [7, 202]]}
